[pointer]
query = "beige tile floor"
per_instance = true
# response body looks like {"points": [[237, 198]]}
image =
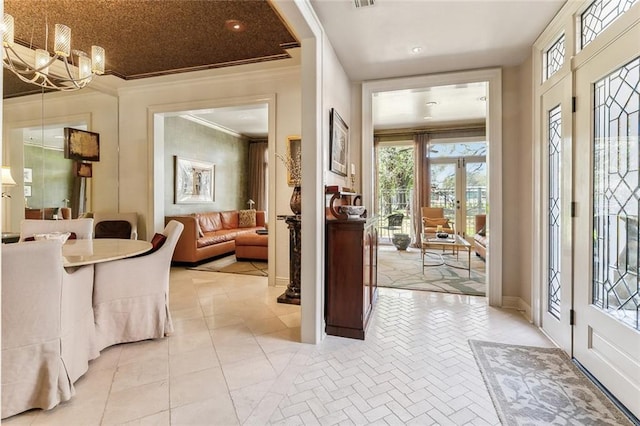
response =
{"points": [[235, 359]]}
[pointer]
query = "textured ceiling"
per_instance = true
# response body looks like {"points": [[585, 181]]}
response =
{"points": [[145, 38]]}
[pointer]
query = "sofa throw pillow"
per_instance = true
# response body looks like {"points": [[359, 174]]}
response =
{"points": [[247, 218], [434, 222]]}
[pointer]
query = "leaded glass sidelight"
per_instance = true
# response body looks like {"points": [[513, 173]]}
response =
{"points": [[616, 194], [599, 15], [555, 144], [554, 57]]}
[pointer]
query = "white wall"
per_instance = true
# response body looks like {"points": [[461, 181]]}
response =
{"points": [[526, 184], [336, 93], [511, 181], [517, 184]]}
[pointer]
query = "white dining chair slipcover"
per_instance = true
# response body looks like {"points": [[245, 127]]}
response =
{"points": [[83, 228], [48, 334], [131, 296], [132, 218]]}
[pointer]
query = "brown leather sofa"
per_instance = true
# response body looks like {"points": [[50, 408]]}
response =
{"points": [[481, 238], [210, 234]]}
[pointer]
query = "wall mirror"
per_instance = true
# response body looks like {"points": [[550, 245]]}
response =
{"points": [[46, 183]]}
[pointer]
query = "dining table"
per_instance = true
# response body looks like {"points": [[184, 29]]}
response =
{"points": [[91, 251]]}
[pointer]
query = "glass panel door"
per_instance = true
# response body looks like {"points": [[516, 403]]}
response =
{"points": [[476, 193], [557, 235], [607, 165], [443, 187], [458, 172]]}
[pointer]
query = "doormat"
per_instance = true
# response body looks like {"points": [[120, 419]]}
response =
{"points": [[231, 265], [541, 386]]}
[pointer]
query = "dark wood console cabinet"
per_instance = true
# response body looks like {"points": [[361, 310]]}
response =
{"points": [[351, 275]]}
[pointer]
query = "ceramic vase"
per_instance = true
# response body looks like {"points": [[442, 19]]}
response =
{"points": [[296, 201], [401, 241]]}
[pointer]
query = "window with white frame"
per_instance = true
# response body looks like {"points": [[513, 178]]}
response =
{"points": [[599, 15]]}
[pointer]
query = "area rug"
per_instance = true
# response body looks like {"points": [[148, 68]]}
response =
{"points": [[403, 269], [231, 265], [541, 386]]}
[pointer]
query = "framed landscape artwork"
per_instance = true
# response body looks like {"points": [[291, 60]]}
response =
{"points": [[194, 181], [81, 145], [339, 144]]}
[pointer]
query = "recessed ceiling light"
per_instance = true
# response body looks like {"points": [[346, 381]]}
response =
{"points": [[432, 103], [416, 49], [235, 26], [427, 117]]}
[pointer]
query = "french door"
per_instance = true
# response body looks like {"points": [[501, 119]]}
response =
{"points": [[459, 186], [607, 192], [557, 196]]}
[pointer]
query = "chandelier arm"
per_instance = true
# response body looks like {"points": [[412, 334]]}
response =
{"points": [[35, 76], [27, 70], [77, 82], [38, 73]]}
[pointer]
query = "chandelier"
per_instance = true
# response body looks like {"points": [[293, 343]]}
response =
{"points": [[36, 68]]}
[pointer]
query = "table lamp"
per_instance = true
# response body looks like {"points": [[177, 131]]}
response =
{"points": [[7, 180]]}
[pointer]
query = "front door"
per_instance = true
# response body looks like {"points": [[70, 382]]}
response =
{"points": [[606, 232]]}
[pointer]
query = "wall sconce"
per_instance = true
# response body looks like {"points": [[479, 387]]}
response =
{"points": [[7, 180], [251, 203]]}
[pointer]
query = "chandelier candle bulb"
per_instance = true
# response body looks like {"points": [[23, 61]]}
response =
{"points": [[84, 67], [7, 30], [97, 59], [42, 60], [62, 46]]}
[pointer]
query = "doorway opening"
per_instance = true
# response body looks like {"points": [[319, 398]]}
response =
{"points": [[236, 126], [431, 112]]}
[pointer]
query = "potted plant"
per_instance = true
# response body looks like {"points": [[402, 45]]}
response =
{"points": [[401, 241]]}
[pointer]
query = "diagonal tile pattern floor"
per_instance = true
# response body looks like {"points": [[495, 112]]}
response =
{"points": [[235, 359]]}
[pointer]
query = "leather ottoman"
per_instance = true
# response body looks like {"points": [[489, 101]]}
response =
{"points": [[252, 246]]}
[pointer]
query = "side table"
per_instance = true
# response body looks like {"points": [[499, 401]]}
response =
{"points": [[292, 295]]}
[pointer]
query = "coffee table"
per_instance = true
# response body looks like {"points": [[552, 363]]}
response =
{"points": [[455, 242]]}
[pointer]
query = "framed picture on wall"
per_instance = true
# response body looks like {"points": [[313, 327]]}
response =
{"points": [[338, 144], [81, 145], [27, 191], [194, 181], [83, 169], [28, 175]]}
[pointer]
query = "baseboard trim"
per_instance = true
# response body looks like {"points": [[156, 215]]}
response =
{"points": [[514, 302], [282, 282]]}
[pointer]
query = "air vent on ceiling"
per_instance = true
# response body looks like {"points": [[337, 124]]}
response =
{"points": [[363, 3]]}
